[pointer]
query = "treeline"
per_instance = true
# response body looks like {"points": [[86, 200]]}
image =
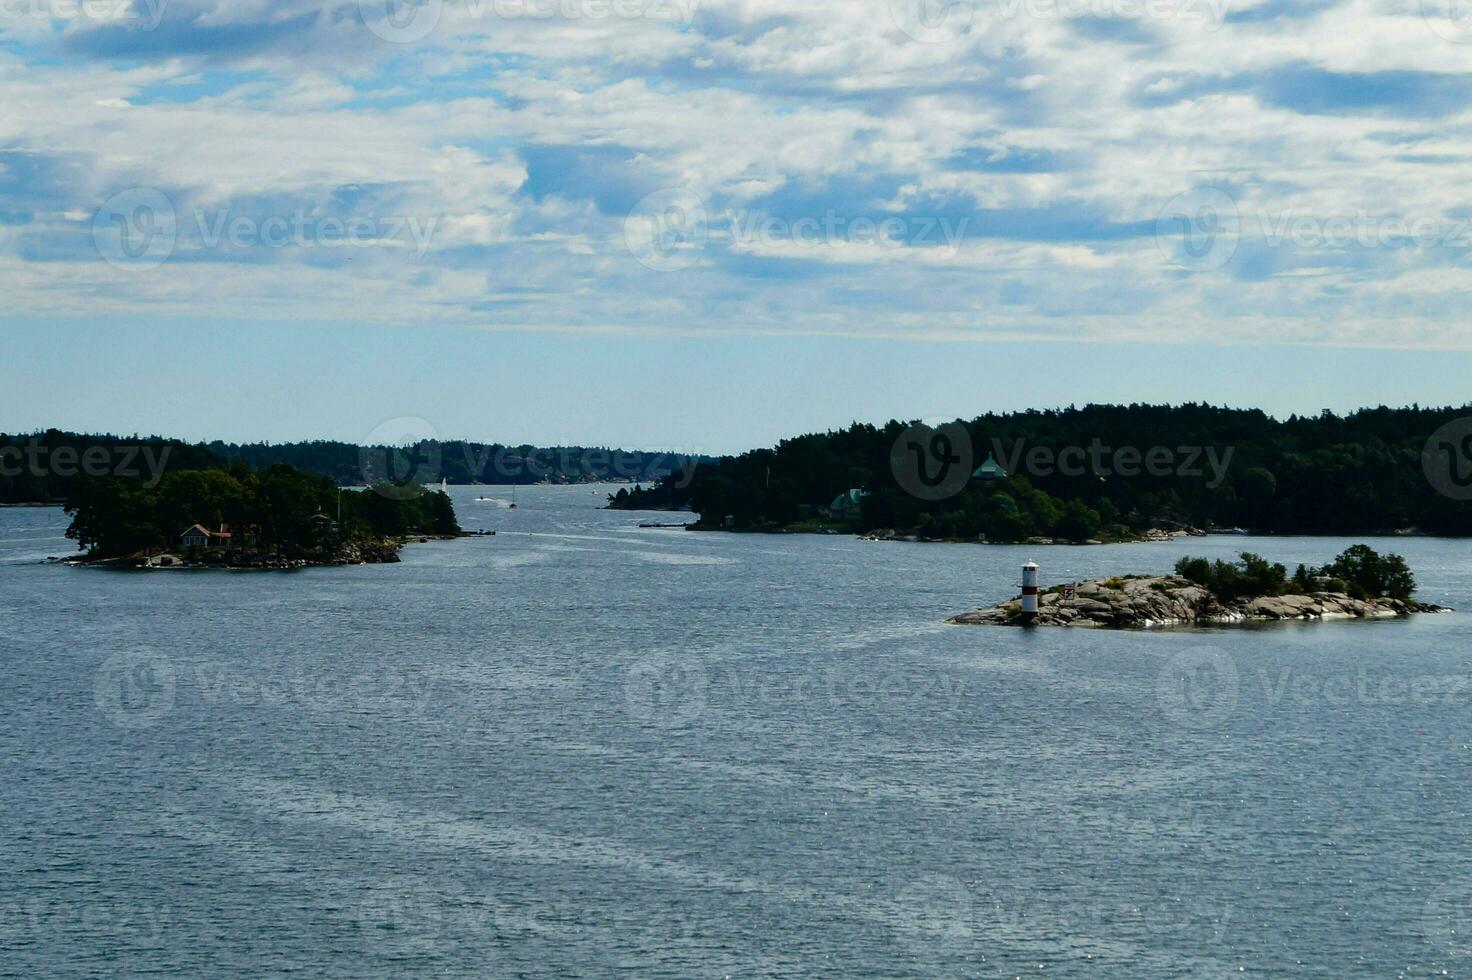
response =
{"points": [[457, 462], [1359, 571], [279, 510], [50, 466], [1189, 465]]}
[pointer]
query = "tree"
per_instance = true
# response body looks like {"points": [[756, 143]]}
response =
{"points": [[1258, 489], [1249, 577], [1371, 575], [1079, 521]]}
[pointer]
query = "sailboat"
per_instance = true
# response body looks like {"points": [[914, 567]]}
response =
{"points": [[513, 496]]}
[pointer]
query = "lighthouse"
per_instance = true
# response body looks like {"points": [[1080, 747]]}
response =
{"points": [[1029, 593]]}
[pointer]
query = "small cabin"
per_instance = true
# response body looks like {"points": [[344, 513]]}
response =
{"points": [[199, 536]]}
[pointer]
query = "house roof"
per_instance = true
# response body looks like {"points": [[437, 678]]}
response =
{"points": [[990, 468]]}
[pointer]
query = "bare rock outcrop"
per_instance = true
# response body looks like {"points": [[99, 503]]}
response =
{"points": [[1143, 602]]}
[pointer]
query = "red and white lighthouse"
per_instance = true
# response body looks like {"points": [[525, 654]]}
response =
{"points": [[1029, 593]]}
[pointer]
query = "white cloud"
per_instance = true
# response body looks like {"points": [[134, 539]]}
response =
{"points": [[1059, 148]]}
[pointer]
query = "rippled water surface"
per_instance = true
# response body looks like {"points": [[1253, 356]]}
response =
{"points": [[580, 748]]}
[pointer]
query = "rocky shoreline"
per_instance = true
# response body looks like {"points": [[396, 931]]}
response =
{"points": [[383, 551], [1144, 602], [1152, 535]]}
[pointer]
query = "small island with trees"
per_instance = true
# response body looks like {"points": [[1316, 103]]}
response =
{"points": [[239, 517], [1359, 584]]}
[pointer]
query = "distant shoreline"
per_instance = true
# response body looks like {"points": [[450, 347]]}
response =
{"points": [[1168, 538]]}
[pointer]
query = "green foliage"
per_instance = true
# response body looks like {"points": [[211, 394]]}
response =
{"points": [[52, 466], [1249, 577], [282, 510], [1360, 571], [1078, 521], [1323, 474], [1372, 575]]}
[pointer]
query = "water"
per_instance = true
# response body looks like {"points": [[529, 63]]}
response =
{"points": [[584, 749]]}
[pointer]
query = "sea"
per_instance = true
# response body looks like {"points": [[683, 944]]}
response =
{"points": [[582, 748]]}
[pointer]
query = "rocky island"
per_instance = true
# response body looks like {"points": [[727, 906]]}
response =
{"points": [[1359, 584]]}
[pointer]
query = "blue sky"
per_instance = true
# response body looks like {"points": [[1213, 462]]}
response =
{"points": [[688, 393], [712, 223]]}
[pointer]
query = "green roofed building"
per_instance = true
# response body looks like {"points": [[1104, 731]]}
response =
{"points": [[990, 470], [847, 505]]}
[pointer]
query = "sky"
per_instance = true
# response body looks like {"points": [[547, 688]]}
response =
{"points": [[709, 224]]}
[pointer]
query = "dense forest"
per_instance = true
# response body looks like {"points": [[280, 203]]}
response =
{"points": [[279, 510], [1324, 474], [50, 466]]}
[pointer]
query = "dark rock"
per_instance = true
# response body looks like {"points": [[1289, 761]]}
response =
{"points": [[1144, 602]]}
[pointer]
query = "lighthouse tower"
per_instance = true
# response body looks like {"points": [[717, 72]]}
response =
{"points": [[1029, 593]]}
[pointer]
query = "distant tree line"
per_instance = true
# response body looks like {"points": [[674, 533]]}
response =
{"points": [[457, 462], [50, 466], [1323, 474]]}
